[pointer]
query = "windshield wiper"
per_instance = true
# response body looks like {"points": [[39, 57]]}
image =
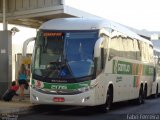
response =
{"points": [[58, 70], [68, 67]]}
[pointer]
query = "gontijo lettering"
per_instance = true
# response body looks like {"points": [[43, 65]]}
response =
{"points": [[124, 67]]}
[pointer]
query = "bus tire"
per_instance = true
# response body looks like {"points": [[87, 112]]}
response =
{"points": [[156, 94], [109, 99], [140, 99], [145, 91]]}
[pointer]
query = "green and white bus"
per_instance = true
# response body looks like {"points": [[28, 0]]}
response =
{"points": [[90, 62], [156, 82]]}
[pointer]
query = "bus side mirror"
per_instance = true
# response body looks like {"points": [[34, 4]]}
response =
{"points": [[24, 50], [97, 48], [98, 51], [25, 44]]}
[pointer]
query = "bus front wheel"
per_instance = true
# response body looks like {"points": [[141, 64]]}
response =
{"points": [[109, 99]]}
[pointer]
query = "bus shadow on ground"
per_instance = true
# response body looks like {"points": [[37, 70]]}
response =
{"points": [[76, 111]]}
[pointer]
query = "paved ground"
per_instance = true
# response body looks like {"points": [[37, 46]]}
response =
{"points": [[120, 111], [15, 106]]}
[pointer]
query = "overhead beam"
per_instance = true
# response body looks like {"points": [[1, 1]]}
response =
{"points": [[25, 12], [4, 15]]}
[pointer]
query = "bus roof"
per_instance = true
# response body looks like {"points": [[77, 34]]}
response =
{"points": [[88, 24], [75, 24]]}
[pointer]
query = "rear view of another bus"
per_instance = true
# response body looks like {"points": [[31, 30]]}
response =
{"points": [[156, 82]]}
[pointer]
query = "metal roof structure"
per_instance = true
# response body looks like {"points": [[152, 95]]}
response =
{"points": [[32, 13]]}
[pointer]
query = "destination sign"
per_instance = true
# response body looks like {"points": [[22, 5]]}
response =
{"points": [[46, 34]]}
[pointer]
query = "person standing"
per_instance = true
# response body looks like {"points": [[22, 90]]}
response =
{"points": [[22, 79]]}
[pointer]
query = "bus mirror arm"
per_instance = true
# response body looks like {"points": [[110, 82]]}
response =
{"points": [[25, 44]]}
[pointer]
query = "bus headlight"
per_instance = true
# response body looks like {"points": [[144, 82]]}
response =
{"points": [[35, 97], [84, 89], [93, 86]]}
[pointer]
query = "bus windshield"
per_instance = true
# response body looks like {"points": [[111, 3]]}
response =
{"points": [[64, 55]]}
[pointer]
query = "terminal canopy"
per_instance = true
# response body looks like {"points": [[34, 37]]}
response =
{"points": [[32, 13]]}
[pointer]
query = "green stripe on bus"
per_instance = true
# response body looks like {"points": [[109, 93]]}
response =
{"points": [[69, 86]]}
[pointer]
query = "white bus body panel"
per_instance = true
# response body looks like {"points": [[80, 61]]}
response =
{"points": [[122, 88]]}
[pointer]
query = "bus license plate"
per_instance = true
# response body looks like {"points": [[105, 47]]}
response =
{"points": [[58, 99]]}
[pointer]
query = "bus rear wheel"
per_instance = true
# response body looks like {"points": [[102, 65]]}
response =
{"points": [[140, 99], [145, 92]]}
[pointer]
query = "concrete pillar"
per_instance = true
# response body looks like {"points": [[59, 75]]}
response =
{"points": [[5, 61]]}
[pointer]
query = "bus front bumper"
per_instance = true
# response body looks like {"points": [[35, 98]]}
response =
{"points": [[86, 98]]}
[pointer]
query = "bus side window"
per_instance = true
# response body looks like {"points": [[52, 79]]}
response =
{"points": [[137, 49], [118, 45], [114, 46], [104, 50]]}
